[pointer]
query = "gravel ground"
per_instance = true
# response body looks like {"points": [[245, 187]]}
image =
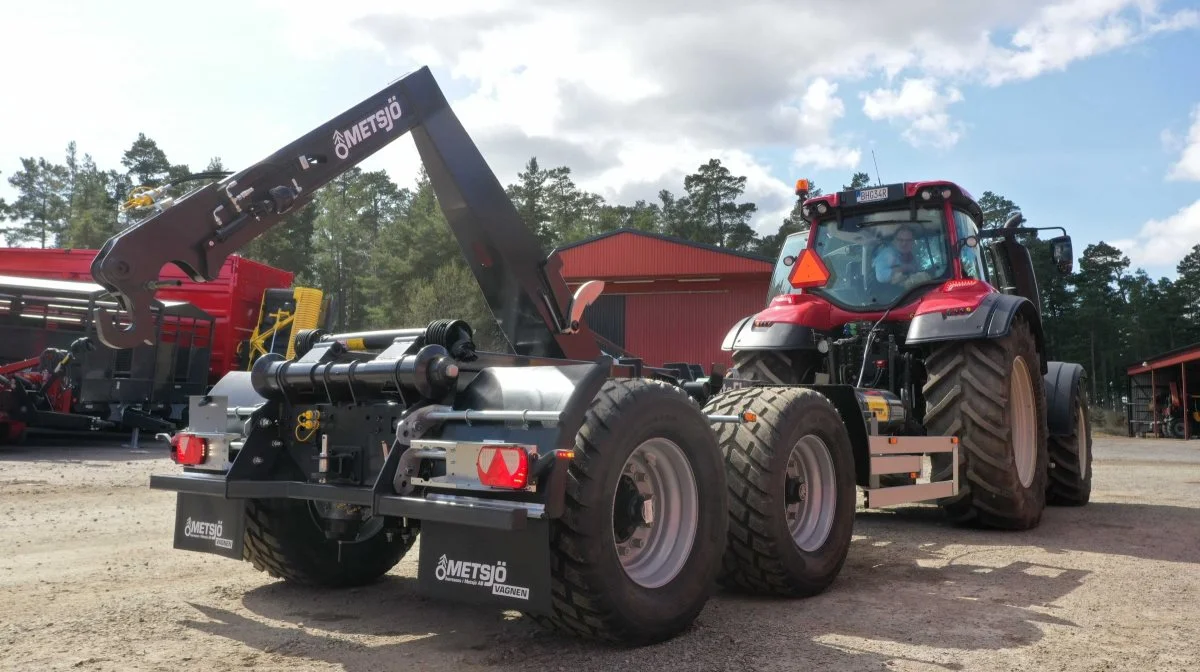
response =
{"points": [[90, 582]]}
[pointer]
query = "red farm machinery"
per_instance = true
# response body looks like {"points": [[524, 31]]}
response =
{"points": [[47, 311], [600, 496], [56, 379]]}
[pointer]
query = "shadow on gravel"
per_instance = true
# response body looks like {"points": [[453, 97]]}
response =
{"points": [[885, 600], [1145, 531], [73, 449]]}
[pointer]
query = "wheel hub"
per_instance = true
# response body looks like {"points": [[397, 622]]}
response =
{"points": [[633, 509]]}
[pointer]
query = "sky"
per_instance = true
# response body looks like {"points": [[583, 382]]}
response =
{"points": [[1085, 113]]}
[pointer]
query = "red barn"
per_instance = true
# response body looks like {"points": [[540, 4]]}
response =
{"points": [[666, 299]]}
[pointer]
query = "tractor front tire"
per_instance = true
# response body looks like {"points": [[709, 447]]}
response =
{"points": [[1070, 482], [773, 367], [636, 554], [792, 493], [990, 394]]}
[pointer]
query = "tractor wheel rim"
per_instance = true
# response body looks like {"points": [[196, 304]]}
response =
{"points": [[810, 496], [1023, 417], [656, 512], [1081, 438]]}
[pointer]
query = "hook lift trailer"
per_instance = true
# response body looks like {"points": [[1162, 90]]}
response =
{"points": [[599, 496]]}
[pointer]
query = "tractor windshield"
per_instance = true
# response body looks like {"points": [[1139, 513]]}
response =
{"points": [[875, 258], [792, 245]]}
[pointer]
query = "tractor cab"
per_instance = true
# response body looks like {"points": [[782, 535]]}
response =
{"points": [[872, 249], [866, 250], [867, 262]]}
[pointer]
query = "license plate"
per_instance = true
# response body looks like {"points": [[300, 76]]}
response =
{"points": [[868, 195]]}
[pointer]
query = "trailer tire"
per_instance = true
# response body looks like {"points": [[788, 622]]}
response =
{"points": [[1070, 482], [594, 594], [797, 430], [969, 394], [283, 540]]}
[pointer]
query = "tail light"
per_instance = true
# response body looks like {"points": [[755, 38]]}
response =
{"points": [[189, 449], [503, 466]]}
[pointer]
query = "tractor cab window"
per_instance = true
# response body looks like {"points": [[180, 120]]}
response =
{"points": [[792, 246], [972, 263], [875, 258]]}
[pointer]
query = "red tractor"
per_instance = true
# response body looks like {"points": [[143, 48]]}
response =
{"points": [[899, 288]]}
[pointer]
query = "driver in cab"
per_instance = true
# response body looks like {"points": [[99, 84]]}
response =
{"points": [[895, 264]]}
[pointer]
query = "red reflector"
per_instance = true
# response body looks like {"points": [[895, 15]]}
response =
{"points": [[963, 284], [809, 271], [189, 449], [503, 467], [786, 300]]}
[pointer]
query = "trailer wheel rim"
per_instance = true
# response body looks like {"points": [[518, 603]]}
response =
{"points": [[656, 512], [1023, 419], [810, 497], [1081, 438]]}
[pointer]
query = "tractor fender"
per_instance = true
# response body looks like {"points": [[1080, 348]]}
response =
{"points": [[992, 318], [772, 336], [1063, 380]]}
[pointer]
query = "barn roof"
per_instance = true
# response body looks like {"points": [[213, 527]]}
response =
{"points": [[1187, 353], [630, 253]]}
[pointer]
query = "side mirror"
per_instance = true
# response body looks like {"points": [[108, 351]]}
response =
{"points": [[1062, 254], [1014, 221], [584, 296]]}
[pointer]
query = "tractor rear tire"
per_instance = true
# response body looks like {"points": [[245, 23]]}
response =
{"points": [[282, 538], [792, 492], [1002, 439], [1070, 482], [622, 571]]}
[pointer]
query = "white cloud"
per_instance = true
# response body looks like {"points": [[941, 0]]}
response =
{"points": [[669, 82], [631, 94], [1188, 165], [920, 104], [1052, 38], [1161, 243]]}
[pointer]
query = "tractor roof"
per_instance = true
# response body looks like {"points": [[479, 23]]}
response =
{"points": [[900, 191]]}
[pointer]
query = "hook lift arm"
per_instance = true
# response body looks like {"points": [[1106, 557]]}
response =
{"points": [[197, 233]]}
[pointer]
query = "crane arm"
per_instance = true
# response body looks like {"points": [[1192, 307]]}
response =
{"points": [[525, 292]]}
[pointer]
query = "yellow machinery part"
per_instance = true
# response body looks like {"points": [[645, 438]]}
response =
{"points": [[307, 315]]}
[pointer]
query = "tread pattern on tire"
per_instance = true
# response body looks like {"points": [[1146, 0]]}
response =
{"points": [[580, 606], [967, 396], [1071, 482], [752, 561], [769, 366], [311, 561]]}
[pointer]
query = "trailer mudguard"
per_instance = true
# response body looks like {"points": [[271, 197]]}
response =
{"points": [[992, 318], [1063, 380], [773, 336]]}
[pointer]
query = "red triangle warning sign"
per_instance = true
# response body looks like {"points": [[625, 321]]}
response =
{"points": [[809, 270]]}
